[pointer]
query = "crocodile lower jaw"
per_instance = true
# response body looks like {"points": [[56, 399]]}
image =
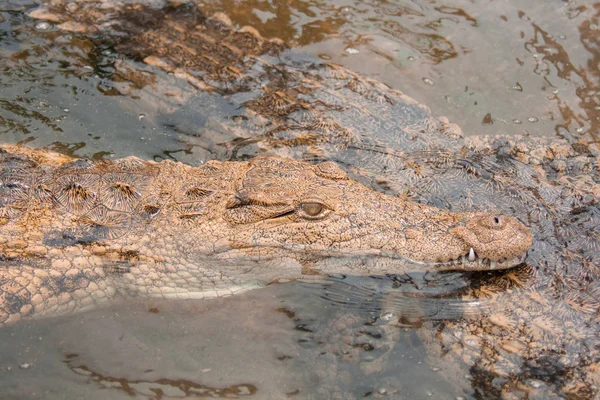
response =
{"points": [[480, 264], [464, 263]]}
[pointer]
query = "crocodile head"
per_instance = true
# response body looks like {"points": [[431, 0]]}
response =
{"points": [[317, 211]]}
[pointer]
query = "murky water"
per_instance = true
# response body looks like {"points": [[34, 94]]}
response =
{"points": [[286, 341], [499, 67]]}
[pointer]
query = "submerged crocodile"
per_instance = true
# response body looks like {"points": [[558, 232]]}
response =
{"points": [[75, 232], [537, 336]]}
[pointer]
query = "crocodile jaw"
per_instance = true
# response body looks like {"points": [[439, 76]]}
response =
{"points": [[479, 264], [462, 263]]}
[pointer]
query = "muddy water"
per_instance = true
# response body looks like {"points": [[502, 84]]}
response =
{"points": [[498, 67], [504, 67], [494, 67], [284, 341]]}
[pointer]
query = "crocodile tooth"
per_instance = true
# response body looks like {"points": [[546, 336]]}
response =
{"points": [[472, 255], [493, 264]]}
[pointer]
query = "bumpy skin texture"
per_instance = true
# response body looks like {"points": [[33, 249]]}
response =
{"points": [[536, 334], [176, 231]]}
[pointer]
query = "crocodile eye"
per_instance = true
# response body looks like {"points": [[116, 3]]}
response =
{"points": [[496, 220], [312, 209]]}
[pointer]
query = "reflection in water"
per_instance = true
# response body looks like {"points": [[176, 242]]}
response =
{"points": [[539, 76], [475, 54], [425, 297]]}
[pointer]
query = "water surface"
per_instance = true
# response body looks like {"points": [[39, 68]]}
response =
{"points": [[500, 67]]}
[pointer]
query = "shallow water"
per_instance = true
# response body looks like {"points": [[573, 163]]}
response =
{"points": [[284, 341], [494, 67], [500, 67]]}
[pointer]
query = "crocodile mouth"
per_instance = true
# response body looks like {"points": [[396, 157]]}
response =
{"points": [[468, 262], [472, 262]]}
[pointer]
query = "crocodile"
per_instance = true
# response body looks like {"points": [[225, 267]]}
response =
{"points": [[213, 230], [536, 333]]}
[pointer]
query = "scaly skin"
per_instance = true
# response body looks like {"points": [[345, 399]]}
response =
{"points": [[75, 232], [535, 333], [536, 336]]}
